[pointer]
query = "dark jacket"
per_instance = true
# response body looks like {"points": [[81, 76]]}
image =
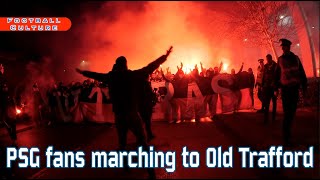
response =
{"points": [[4, 94], [37, 99], [252, 80], [146, 95], [269, 72], [124, 93]]}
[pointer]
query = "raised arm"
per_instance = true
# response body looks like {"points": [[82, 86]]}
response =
{"points": [[164, 77], [168, 70], [241, 68], [155, 64], [101, 77], [201, 66], [220, 67]]}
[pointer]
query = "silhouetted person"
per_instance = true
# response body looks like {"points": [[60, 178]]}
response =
{"points": [[146, 105], [217, 70], [85, 91], [236, 88], [195, 71], [6, 106], [38, 103], [146, 102], [52, 95], [252, 82], [125, 98], [290, 76], [203, 70], [268, 88], [178, 103], [259, 83], [211, 98], [233, 72]]}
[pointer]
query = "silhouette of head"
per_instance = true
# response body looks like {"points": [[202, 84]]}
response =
{"points": [[286, 44], [233, 71], [208, 73], [121, 63], [250, 70], [216, 70], [180, 74], [269, 58], [260, 61]]}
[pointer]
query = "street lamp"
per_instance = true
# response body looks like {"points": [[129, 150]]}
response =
{"points": [[84, 63]]}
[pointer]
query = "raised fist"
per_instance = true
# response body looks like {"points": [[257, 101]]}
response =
{"points": [[169, 51]]}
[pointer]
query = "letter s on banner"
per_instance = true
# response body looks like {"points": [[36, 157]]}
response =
{"points": [[215, 85], [170, 90]]}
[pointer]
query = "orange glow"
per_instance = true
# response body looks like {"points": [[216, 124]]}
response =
{"points": [[226, 64], [156, 29], [187, 68], [225, 67], [197, 31], [18, 111], [143, 31]]}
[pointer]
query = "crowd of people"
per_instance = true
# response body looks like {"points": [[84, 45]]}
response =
{"points": [[158, 75], [70, 94], [43, 105], [203, 78], [132, 97]]}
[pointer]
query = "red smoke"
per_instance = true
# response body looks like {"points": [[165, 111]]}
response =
{"points": [[142, 31], [195, 31]]}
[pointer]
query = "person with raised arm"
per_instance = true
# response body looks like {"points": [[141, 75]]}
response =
{"points": [[124, 94]]}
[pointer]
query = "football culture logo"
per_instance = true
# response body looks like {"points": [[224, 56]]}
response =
{"points": [[35, 24]]}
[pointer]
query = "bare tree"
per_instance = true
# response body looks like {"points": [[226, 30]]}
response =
{"points": [[263, 23]]}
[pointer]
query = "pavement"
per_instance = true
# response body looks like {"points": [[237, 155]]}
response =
{"points": [[21, 126], [242, 129], [24, 125]]}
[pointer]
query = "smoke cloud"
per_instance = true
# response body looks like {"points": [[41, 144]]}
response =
{"points": [[143, 31]]}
